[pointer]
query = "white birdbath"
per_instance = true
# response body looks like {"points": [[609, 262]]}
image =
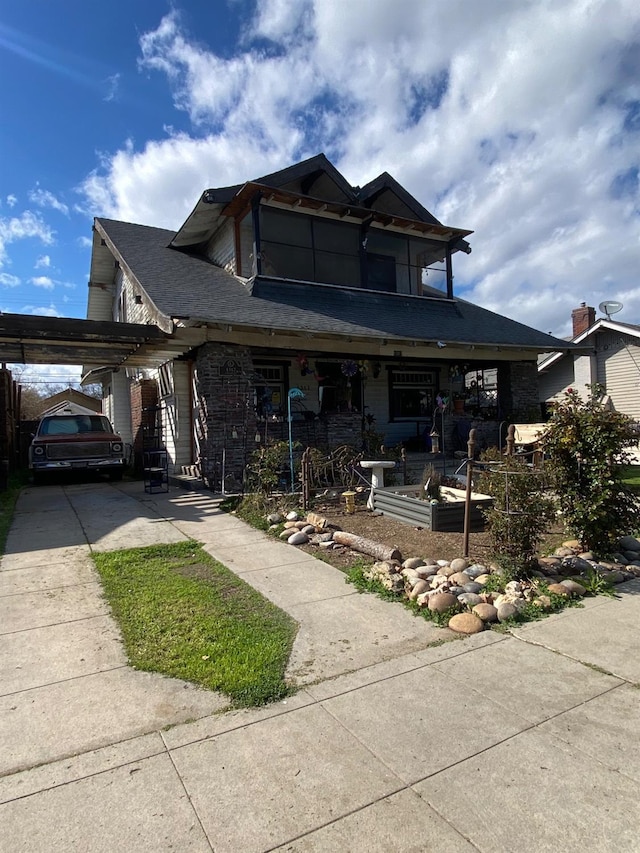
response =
{"points": [[377, 475]]}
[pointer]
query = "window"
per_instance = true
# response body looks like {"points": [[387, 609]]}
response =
{"points": [[269, 394], [381, 272], [297, 246], [411, 394]]}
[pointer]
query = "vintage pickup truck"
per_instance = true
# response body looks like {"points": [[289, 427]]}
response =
{"points": [[76, 442]]}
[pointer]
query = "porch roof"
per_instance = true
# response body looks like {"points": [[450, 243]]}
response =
{"points": [[188, 287]]}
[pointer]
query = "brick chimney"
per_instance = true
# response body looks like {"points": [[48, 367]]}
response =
{"points": [[583, 318]]}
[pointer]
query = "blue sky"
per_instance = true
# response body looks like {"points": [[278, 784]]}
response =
{"points": [[518, 120]]}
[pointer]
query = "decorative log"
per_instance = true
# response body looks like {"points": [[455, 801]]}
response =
{"points": [[366, 546]]}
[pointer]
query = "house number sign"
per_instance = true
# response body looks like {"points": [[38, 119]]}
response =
{"points": [[230, 367]]}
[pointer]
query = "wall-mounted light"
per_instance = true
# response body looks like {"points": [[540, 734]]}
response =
{"points": [[234, 433]]}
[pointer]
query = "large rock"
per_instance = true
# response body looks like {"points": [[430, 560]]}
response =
{"points": [[558, 589], [630, 543], [469, 599], [459, 578], [442, 601], [486, 612], [418, 589], [298, 538], [506, 610], [466, 623], [426, 571], [574, 587], [460, 564], [476, 570], [413, 563], [446, 571]]}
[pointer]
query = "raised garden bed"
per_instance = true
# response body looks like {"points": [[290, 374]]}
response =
{"points": [[447, 516]]}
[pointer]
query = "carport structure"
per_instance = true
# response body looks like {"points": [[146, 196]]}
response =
{"points": [[99, 346], [25, 339]]}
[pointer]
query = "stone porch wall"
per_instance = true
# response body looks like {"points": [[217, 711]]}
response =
{"points": [[225, 400], [518, 392]]}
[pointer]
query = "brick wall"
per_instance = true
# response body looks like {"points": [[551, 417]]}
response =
{"points": [[227, 420], [144, 400], [518, 392]]}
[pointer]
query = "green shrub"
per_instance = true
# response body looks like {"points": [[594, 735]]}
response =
{"points": [[521, 511], [585, 443], [268, 469]]}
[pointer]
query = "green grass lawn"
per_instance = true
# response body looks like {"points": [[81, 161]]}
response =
{"points": [[183, 614], [631, 476]]}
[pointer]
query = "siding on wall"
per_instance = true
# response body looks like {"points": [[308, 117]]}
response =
{"points": [[557, 379], [101, 303], [176, 414], [618, 360], [221, 249], [120, 406], [135, 313]]}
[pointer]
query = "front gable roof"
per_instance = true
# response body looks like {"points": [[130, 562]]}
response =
{"points": [[315, 181], [588, 337]]}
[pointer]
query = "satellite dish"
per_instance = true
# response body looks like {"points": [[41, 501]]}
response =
{"points": [[609, 307]]}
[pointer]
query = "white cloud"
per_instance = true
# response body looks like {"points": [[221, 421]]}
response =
{"points": [[27, 225], [8, 280], [41, 310], [85, 242], [45, 198], [42, 281], [11, 200], [521, 121], [113, 87], [43, 262], [46, 374]]}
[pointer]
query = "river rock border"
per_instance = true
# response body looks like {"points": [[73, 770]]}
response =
{"points": [[462, 587]]}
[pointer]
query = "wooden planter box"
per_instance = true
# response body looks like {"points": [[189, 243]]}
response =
{"points": [[447, 516]]}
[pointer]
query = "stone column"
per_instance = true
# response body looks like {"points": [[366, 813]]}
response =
{"points": [[226, 413]]}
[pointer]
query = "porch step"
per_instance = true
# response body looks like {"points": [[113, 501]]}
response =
{"points": [[190, 471], [186, 481]]}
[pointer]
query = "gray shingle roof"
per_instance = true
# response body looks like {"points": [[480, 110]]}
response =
{"points": [[187, 286]]}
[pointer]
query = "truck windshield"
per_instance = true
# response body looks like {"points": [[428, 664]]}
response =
{"points": [[74, 425]]}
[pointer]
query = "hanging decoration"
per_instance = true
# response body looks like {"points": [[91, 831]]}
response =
{"points": [[458, 371], [363, 367], [303, 364], [349, 368]]}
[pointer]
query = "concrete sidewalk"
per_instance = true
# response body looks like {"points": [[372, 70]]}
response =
{"points": [[493, 743]]}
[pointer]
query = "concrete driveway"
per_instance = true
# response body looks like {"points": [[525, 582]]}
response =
{"points": [[498, 742]]}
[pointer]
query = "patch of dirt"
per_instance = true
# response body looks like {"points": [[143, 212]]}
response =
{"points": [[410, 541]]}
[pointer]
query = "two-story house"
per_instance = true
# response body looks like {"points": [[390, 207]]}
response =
{"points": [[298, 280]]}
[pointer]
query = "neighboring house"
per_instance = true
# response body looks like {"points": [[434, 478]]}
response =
{"points": [[298, 280], [79, 403], [612, 359]]}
